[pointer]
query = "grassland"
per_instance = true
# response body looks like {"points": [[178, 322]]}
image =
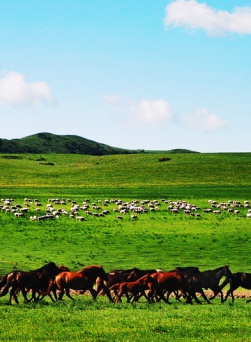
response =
{"points": [[158, 239]]}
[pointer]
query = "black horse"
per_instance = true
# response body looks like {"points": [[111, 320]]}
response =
{"points": [[238, 279], [206, 280], [37, 281]]}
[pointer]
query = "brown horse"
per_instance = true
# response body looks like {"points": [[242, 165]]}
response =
{"points": [[135, 288], [237, 280], [120, 276], [36, 280], [114, 277], [165, 282], [82, 280]]}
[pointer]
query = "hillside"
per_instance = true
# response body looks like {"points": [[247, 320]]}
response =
{"points": [[64, 144]]}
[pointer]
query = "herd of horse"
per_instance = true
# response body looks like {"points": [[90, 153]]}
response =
{"points": [[154, 285]]}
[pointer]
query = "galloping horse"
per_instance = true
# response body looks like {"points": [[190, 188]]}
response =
{"points": [[81, 280], [52, 287], [237, 280], [165, 282], [135, 288], [36, 280], [208, 280], [119, 276]]}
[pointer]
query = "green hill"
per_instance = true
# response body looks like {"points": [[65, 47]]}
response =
{"points": [[64, 144]]}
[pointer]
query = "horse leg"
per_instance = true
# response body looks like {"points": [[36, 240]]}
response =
{"points": [[217, 291], [144, 294], [205, 297], [168, 295], [67, 292], [161, 296], [13, 294], [93, 293], [188, 299], [193, 294], [107, 292], [231, 291], [129, 297], [61, 293], [177, 295]]}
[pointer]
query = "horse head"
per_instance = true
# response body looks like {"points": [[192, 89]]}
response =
{"points": [[102, 274], [52, 269]]}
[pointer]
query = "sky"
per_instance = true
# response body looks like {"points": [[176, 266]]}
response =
{"points": [[134, 74]]}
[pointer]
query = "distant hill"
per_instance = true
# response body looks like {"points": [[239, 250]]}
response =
{"points": [[67, 144]]}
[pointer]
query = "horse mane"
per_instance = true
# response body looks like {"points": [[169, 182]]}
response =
{"points": [[41, 269], [89, 269], [64, 268]]}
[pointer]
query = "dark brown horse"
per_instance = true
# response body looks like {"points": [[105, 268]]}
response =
{"points": [[134, 289], [114, 277], [239, 279], [83, 280], [37, 281], [52, 287], [165, 282], [120, 276], [206, 280]]}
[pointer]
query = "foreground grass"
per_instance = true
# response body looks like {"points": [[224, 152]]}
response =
{"points": [[88, 321]]}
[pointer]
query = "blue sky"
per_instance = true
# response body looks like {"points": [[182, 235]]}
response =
{"points": [[140, 74]]}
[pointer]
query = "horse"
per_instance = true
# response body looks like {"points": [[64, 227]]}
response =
{"points": [[52, 286], [238, 279], [119, 276], [114, 277], [169, 282], [82, 280], [208, 280], [37, 280], [135, 288]]}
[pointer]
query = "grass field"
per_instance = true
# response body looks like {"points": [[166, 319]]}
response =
{"points": [[158, 239]]}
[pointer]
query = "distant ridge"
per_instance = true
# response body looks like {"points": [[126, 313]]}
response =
{"points": [[66, 144]]}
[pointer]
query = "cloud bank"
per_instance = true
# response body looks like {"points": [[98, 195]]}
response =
{"points": [[204, 121], [194, 15], [15, 90]]}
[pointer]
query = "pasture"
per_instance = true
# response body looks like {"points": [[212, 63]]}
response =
{"points": [[156, 239]]}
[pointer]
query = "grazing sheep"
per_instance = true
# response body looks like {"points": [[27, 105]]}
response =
{"points": [[80, 218]]}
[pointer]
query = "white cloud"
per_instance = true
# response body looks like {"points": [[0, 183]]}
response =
{"points": [[146, 112], [204, 121], [194, 15], [151, 112], [15, 90]]}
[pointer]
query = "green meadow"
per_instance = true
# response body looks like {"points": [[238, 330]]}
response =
{"points": [[157, 239]]}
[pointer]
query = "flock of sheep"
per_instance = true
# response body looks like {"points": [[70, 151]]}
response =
{"points": [[56, 208]]}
